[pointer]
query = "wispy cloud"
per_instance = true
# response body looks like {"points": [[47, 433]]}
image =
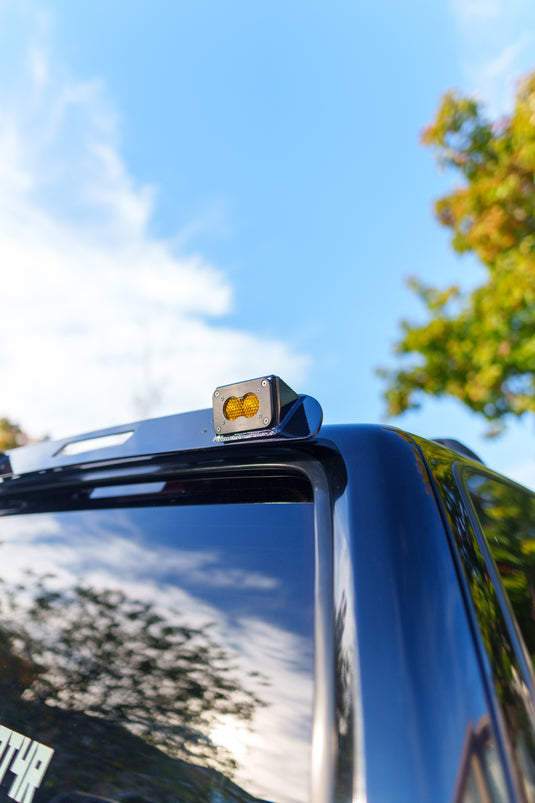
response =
{"points": [[101, 321], [469, 12], [495, 47], [495, 79]]}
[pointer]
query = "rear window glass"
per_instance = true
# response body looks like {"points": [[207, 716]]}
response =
{"points": [[157, 652]]}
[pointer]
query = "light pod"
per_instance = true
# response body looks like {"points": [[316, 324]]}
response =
{"points": [[264, 408]]}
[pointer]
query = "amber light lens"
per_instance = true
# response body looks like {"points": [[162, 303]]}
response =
{"points": [[248, 406]]}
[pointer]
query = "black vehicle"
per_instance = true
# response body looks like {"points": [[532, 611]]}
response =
{"points": [[240, 604]]}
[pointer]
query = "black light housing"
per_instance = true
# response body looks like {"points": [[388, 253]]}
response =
{"points": [[263, 407]]}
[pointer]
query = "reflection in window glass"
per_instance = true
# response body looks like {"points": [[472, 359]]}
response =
{"points": [[164, 653], [480, 777], [507, 518]]}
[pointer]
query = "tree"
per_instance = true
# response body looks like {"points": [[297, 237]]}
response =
{"points": [[11, 435], [479, 347]]}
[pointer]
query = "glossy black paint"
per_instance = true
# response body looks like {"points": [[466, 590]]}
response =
{"points": [[418, 682], [406, 695]]}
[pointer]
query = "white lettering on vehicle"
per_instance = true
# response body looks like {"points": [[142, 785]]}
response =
{"points": [[26, 759]]}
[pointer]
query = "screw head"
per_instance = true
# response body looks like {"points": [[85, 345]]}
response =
{"points": [[264, 383]]}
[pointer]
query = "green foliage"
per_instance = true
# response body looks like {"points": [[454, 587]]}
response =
{"points": [[479, 347]]}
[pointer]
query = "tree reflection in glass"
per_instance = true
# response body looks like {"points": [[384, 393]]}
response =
{"points": [[161, 656], [109, 656]]}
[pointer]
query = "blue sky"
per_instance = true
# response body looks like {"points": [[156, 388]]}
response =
{"points": [[197, 193]]}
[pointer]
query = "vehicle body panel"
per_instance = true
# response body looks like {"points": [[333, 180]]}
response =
{"points": [[405, 703]]}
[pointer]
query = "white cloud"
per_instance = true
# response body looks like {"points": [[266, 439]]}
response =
{"points": [[101, 321]]}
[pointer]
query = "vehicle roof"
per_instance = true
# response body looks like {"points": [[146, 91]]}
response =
{"points": [[174, 434]]}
